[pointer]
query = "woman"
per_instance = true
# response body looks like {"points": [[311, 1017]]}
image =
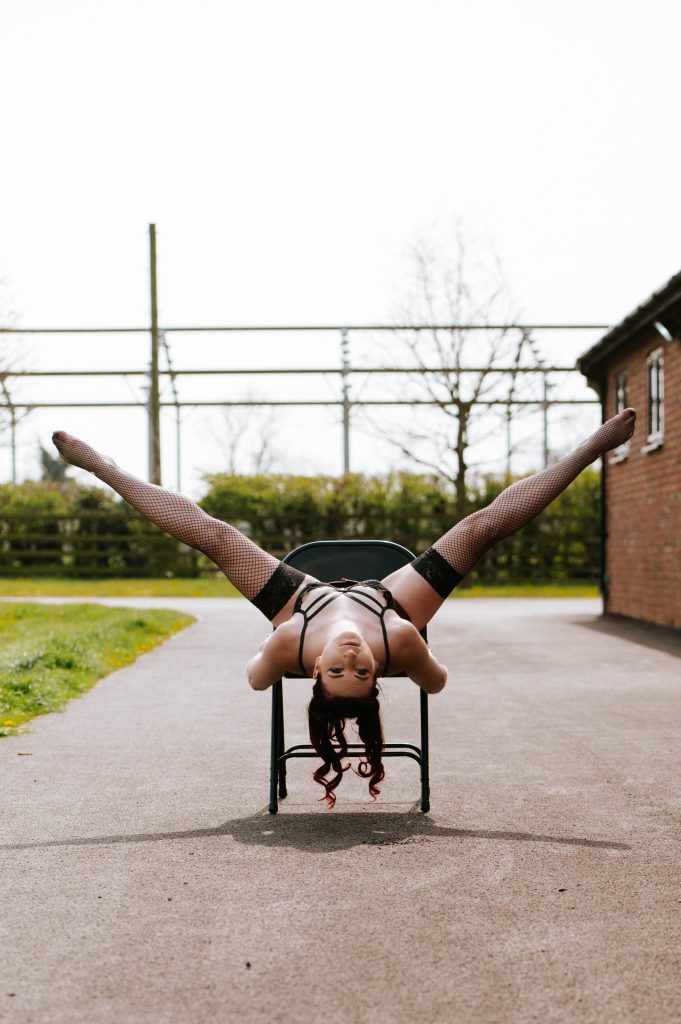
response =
{"points": [[345, 636]]}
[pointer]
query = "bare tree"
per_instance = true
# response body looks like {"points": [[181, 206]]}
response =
{"points": [[244, 437], [12, 356], [457, 282], [52, 469]]}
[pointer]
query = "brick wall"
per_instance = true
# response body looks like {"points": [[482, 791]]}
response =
{"points": [[643, 495]]}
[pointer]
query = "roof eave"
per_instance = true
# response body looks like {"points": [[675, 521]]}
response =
{"points": [[663, 302]]}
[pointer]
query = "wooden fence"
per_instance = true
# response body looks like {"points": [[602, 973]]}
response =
{"points": [[78, 546], [83, 546]]}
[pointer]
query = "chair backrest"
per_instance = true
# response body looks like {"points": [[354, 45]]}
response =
{"points": [[331, 560], [349, 559]]}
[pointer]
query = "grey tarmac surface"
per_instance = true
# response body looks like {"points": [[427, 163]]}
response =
{"points": [[144, 881]]}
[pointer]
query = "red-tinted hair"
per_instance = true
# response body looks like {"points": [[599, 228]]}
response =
{"points": [[326, 719]]}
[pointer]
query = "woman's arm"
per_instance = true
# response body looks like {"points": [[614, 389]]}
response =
{"points": [[272, 660], [417, 661]]}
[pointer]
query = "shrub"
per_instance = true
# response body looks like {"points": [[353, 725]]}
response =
{"points": [[50, 528], [281, 512], [64, 529]]}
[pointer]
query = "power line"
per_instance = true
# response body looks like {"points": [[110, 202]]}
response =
{"points": [[297, 371], [273, 328], [538, 402]]}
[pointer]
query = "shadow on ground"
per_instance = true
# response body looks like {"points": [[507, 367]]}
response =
{"points": [[646, 634], [329, 833]]}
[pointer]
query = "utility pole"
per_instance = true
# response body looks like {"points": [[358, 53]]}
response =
{"points": [[345, 374], [511, 392], [13, 425], [154, 396], [13, 415], [545, 398], [545, 417], [178, 419]]}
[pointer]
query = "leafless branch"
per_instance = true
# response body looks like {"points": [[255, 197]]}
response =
{"points": [[454, 281]]}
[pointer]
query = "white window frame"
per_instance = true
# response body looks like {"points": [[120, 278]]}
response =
{"points": [[654, 400], [621, 381]]}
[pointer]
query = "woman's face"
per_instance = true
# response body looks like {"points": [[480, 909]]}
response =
{"points": [[347, 666]]}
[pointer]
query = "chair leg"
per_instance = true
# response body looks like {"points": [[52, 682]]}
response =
{"points": [[282, 745], [425, 773], [274, 748]]}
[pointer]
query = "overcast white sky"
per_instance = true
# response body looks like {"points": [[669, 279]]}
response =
{"points": [[289, 152]]}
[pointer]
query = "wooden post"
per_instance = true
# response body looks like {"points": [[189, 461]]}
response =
{"points": [[13, 435], [545, 417], [345, 373]]}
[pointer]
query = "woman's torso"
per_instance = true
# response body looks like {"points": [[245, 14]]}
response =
{"points": [[320, 608]]}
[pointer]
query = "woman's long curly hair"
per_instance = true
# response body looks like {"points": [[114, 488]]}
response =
{"points": [[326, 718]]}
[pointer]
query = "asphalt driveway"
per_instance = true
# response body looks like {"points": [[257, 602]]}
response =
{"points": [[143, 879]]}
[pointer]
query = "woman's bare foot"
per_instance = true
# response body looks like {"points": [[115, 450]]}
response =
{"points": [[78, 453]]}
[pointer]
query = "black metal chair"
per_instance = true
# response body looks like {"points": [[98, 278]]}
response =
{"points": [[329, 560]]}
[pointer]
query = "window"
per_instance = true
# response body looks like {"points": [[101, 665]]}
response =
{"points": [[655, 398], [621, 402], [621, 392]]}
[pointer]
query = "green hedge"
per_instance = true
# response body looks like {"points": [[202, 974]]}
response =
{"points": [[65, 529], [563, 543], [280, 512], [54, 528]]}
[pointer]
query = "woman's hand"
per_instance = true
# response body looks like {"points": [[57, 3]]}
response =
{"points": [[273, 659]]}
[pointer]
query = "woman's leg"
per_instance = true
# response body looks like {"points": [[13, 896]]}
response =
{"points": [[260, 577], [423, 585]]}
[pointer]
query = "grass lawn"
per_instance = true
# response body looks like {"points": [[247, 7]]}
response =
{"points": [[48, 586], [51, 653], [529, 590], [219, 586]]}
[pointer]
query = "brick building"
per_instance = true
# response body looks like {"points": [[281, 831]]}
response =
{"points": [[638, 363]]}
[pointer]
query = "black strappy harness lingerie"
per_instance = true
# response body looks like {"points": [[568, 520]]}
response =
{"points": [[349, 588]]}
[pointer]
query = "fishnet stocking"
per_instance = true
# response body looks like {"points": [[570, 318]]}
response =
{"points": [[520, 503], [244, 564]]}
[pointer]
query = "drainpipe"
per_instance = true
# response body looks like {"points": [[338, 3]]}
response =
{"points": [[603, 527]]}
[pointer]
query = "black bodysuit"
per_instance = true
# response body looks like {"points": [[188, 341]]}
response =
{"points": [[349, 588]]}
